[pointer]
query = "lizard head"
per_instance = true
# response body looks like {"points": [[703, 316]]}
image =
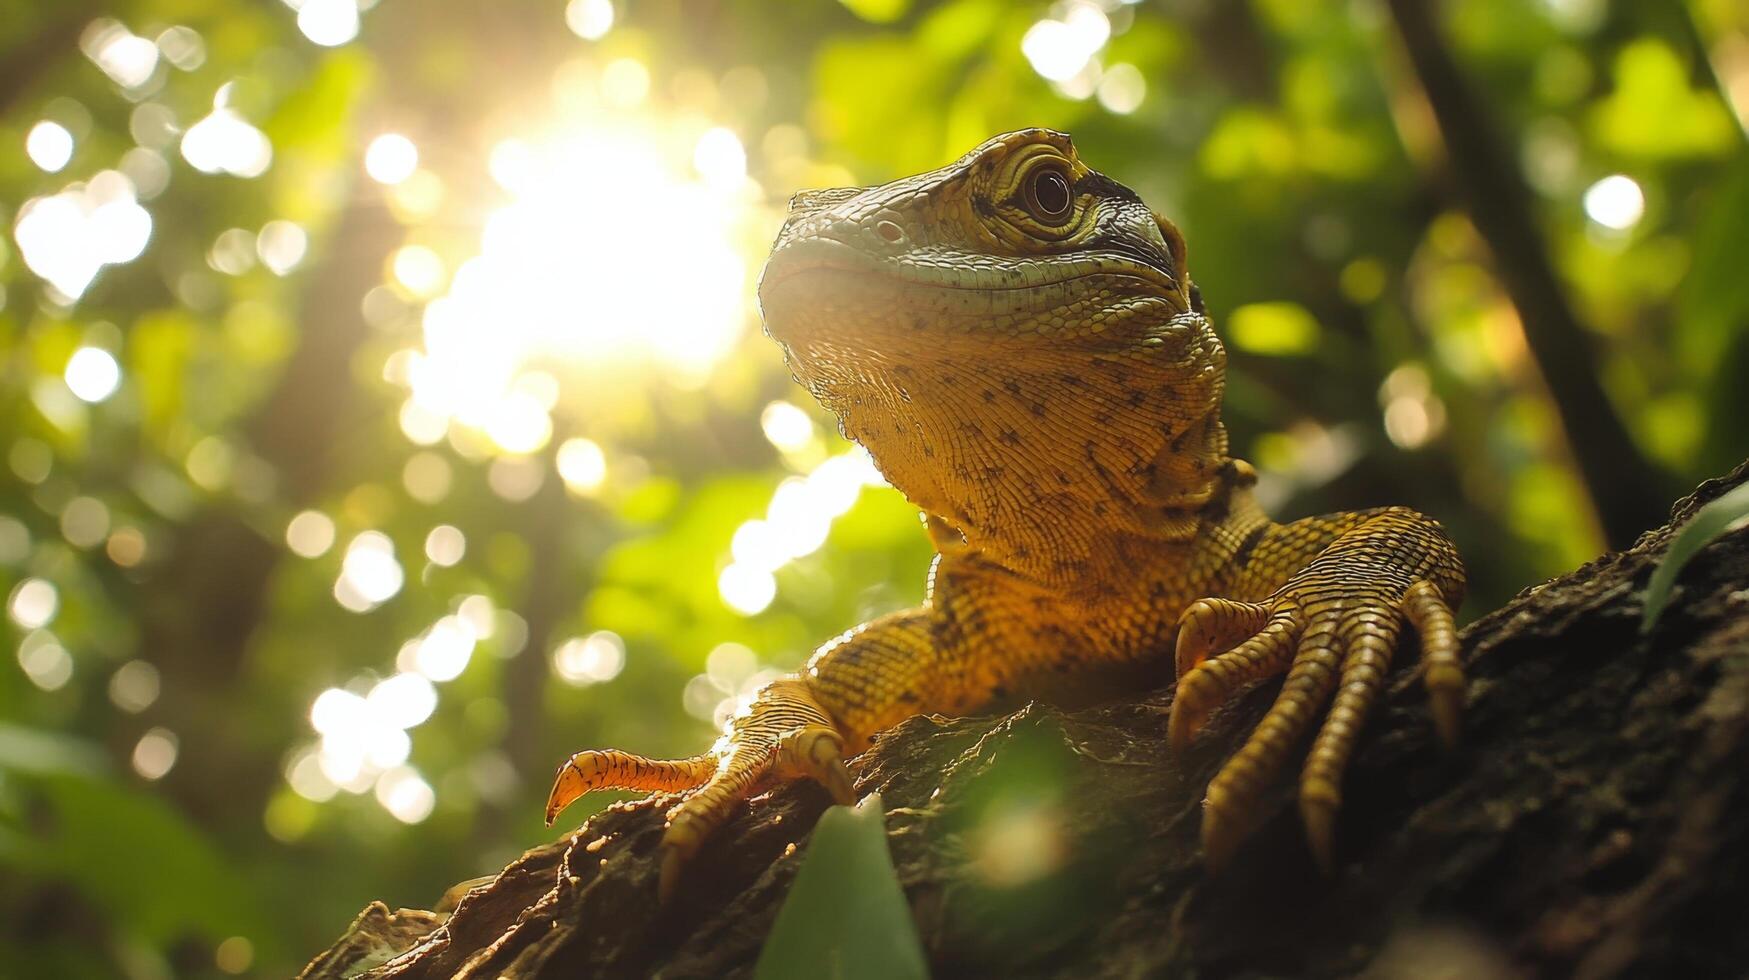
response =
{"points": [[1013, 337]]}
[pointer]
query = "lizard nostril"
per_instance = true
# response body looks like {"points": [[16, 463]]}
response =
{"points": [[891, 232]]}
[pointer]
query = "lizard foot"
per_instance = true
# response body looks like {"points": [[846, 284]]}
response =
{"points": [[1328, 640], [783, 735]]}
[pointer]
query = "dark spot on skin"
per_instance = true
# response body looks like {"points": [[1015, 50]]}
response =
{"points": [[998, 691], [928, 451], [1064, 478], [1196, 300], [989, 396], [1102, 418], [1099, 509], [994, 473], [984, 208], [1243, 555], [1013, 388], [919, 324], [1037, 408], [1135, 398], [909, 697], [1216, 511], [903, 371], [1011, 437], [1072, 380]]}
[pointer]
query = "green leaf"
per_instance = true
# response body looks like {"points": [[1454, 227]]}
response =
{"points": [[846, 916], [39, 752], [1715, 519]]}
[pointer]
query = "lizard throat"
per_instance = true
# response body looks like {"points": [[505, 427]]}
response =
{"points": [[1039, 458]]}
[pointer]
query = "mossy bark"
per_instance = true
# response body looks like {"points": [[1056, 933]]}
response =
{"points": [[1594, 822]]}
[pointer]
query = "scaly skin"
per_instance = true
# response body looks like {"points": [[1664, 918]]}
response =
{"points": [[1015, 340]]}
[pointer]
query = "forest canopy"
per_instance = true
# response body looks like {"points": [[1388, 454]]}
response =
{"points": [[386, 414]]}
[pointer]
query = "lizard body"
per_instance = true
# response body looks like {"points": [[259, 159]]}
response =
{"points": [[1016, 342]]}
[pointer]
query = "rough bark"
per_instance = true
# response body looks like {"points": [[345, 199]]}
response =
{"points": [[1594, 823]]}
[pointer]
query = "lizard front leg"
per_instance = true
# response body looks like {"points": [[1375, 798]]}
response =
{"points": [[1333, 626], [801, 726]]}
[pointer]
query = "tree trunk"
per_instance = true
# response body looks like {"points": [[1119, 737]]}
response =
{"points": [[1594, 822]]}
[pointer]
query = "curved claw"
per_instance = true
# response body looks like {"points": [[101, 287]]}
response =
{"points": [[816, 752], [673, 859], [1264, 654], [1319, 816], [1444, 677], [1213, 625]]}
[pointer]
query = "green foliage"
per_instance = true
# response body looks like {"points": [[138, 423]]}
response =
{"points": [[846, 917], [1719, 517]]}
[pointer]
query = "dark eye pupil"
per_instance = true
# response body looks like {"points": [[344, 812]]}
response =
{"points": [[1051, 190]]}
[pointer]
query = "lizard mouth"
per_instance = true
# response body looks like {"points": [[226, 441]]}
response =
{"points": [[825, 274]]}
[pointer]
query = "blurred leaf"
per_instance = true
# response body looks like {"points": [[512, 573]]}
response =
{"points": [[846, 916], [1654, 113], [1278, 329], [153, 873], [878, 11], [1708, 524], [29, 750]]}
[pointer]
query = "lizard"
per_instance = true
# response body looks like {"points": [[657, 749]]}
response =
{"points": [[1015, 340]]}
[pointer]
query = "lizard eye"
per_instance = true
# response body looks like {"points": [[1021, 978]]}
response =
{"points": [[1048, 196]]}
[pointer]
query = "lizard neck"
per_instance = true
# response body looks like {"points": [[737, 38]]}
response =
{"points": [[1063, 465]]}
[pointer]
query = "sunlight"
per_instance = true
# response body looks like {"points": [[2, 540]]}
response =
{"points": [[617, 250]]}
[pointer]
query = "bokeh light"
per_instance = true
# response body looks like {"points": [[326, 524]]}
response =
{"points": [[134, 686], [310, 534], [49, 145], [68, 237], [589, 19], [391, 158], [1616, 202], [1060, 47], [155, 753], [593, 659], [796, 524], [92, 374], [582, 465], [329, 23], [128, 59], [369, 574], [225, 142], [33, 603]]}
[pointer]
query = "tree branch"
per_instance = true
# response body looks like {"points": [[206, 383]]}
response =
{"points": [[1594, 822]]}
